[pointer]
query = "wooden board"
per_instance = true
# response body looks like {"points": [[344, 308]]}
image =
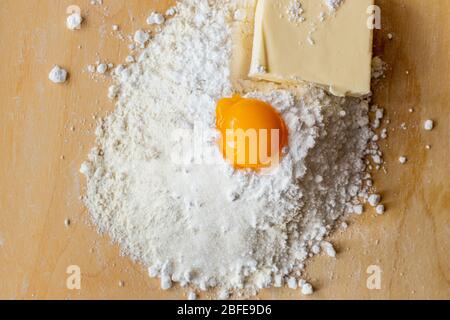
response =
{"points": [[46, 131]]}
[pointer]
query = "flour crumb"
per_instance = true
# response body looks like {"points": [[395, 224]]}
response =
{"points": [[428, 125], [295, 11], [402, 159], [166, 282], [322, 16], [358, 209], [155, 18], [292, 283], [141, 37], [374, 199], [261, 69], [191, 295], [113, 91], [91, 68], [58, 75], [277, 281], [380, 209], [307, 289], [74, 21], [102, 68], [223, 294], [329, 249], [171, 12], [403, 126], [333, 5]]}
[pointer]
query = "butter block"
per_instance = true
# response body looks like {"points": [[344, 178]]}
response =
{"points": [[308, 40]]}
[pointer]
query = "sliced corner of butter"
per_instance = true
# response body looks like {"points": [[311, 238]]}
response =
{"points": [[330, 49]]}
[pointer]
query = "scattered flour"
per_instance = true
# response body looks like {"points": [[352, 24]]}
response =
{"points": [[91, 68], [333, 5], [158, 185], [295, 11]]}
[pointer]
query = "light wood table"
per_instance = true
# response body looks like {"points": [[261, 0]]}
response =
{"points": [[46, 131]]}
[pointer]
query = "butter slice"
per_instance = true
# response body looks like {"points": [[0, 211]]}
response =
{"points": [[331, 49]]}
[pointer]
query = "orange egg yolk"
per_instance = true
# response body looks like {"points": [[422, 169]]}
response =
{"points": [[253, 133]]}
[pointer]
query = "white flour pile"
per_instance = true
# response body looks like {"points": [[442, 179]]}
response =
{"points": [[197, 221]]}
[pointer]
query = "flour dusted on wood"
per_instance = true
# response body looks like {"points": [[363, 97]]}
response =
{"points": [[193, 219]]}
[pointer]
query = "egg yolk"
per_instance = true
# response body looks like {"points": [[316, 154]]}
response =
{"points": [[253, 133]]}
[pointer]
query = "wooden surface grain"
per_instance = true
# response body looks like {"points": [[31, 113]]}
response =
{"points": [[46, 131]]}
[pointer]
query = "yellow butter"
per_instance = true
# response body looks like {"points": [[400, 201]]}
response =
{"points": [[316, 44]]}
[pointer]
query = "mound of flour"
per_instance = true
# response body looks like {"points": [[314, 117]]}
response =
{"points": [[158, 185]]}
